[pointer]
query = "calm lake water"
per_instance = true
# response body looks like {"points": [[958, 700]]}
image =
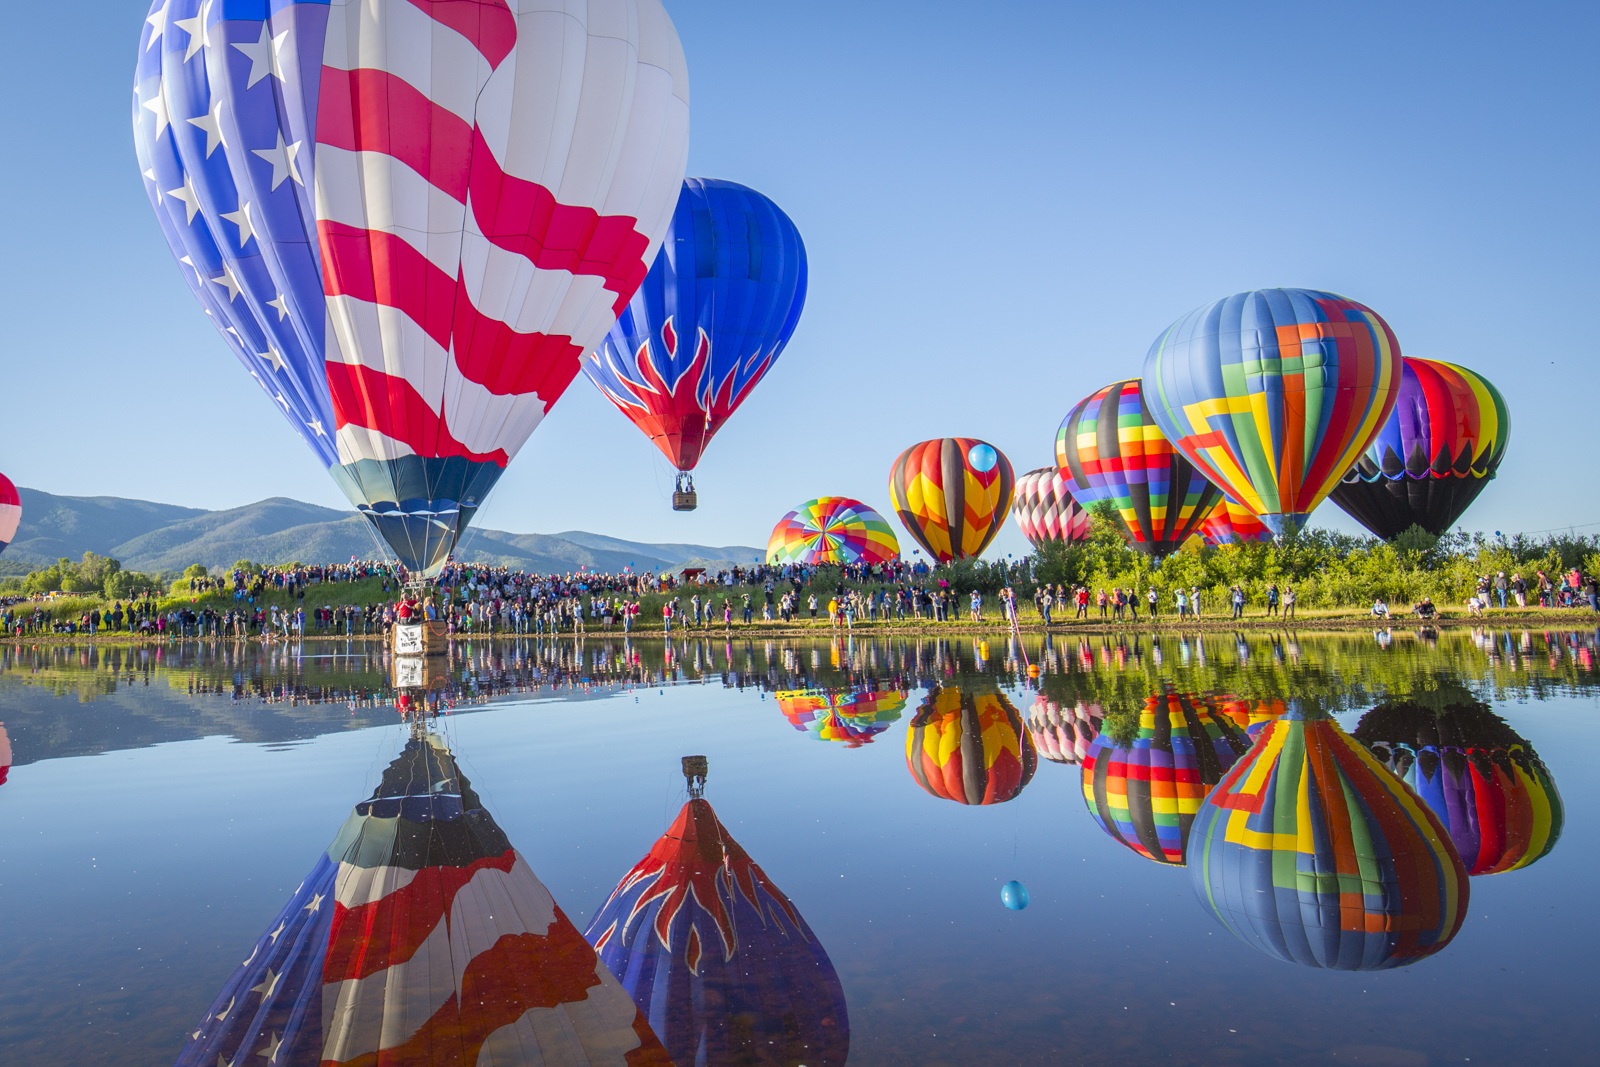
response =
{"points": [[165, 803]]}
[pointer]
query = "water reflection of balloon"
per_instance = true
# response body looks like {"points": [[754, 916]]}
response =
{"points": [[970, 747], [1487, 785], [1434, 455], [832, 529], [854, 717], [716, 956], [1251, 716], [410, 221], [422, 936], [1063, 733], [1110, 448], [1145, 794], [1014, 895], [10, 512], [1314, 853], [1045, 509], [5, 753], [951, 494], [1273, 394]]}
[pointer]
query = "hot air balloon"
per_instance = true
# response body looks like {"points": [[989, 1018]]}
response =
{"points": [[1045, 510], [1063, 732], [410, 220], [1487, 785], [1145, 794], [970, 747], [720, 303], [832, 529], [1232, 523], [852, 716], [1439, 448], [716, 956], [1109, 448], [1274, 393], [10, 512], [422, 936], [1251, 716], [1312, 852], [5, 753], [951, 494]]}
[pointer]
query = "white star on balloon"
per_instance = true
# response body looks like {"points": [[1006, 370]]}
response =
{"points": [[279, 398], [281, 925], [190, 198], [241, 219], [281, 305], [274, 357], [271, 1051], [263, 55], [281, 156], [267, 985], [196, 28], [316, 898], [211, 122], [159, 21], [315, 425], [157, 105], [230, 283], [223, 1014]]}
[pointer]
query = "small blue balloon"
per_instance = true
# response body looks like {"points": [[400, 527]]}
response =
{"points": [[1014, 895], [983, 457]]}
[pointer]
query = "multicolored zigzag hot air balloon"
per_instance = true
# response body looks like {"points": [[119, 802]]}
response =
{"points": [[717, 957], [852, 716], [409, 220], [1110, 448], [421, 936], [1232, 523], [1045, 509], [1314, 853], [1146, 794], [1063, 733], [1484, 781], [951, 494], [10, 512], [832, 529], [970, 747], [1437, 451], [1274, 394], [721, 301]]}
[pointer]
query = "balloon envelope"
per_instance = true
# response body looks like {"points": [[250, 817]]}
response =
{"points": [[409, 221], [422, 936], [717, 957], [951, 494], [10, 512], [970, 747], [854, 717], [720, 302], [832, 529], [1274, 393], [1145, 794], [1437, 451], [1487, 785], [1231, 523], [1063, 732], [1314, 853], [1045, 509], [1110, 448]]}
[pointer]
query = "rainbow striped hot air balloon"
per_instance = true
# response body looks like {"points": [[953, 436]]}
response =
{"points": [[1314, 853], [1434, 455], [1232, 523], [972, 748], [1273, 394], [832, 529], [1045, 509], [1483, 780], [952, 495], [1145, 794], [854, 717], [1110, 448]]}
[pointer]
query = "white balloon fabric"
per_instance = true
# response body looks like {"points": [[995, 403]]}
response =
{"points": [[410, 219]]}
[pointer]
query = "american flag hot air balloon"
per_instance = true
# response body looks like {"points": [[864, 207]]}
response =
{"points": [[422, 937]]}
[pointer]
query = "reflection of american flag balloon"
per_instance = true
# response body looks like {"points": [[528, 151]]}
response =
{"points": [[1046, 511]]}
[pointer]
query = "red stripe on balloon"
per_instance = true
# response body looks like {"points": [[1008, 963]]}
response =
{"points": [[389, 405], [488, 24]]}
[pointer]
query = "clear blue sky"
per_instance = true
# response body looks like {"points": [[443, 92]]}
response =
{"points": [[1003, 204]]}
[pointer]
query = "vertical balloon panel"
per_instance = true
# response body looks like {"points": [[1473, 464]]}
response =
{"points": [[952, 495]]}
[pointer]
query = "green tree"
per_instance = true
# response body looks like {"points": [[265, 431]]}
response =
{"points": [[196, 570]]}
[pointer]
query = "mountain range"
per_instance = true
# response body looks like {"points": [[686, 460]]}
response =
{"points": [[155, 538]]}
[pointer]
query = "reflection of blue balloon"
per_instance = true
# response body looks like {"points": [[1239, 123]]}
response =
{"points": [[1014, 895]]}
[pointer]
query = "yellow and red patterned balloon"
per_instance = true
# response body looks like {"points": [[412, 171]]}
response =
{"points": [[832, 529], [970, 747], [952, 495]]}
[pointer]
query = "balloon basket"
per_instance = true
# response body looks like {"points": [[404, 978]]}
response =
{"points": [[684, 498], [425, 638]]}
